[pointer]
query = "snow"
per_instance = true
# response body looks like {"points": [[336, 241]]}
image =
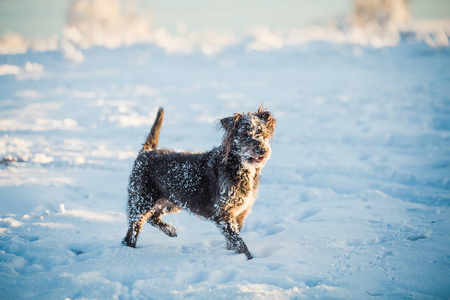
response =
{"points": [[353, 204]]}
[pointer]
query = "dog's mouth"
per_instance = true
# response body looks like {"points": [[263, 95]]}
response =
{"points": [[258, 159]]}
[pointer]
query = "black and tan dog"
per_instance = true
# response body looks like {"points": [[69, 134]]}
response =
{"points": [[220, 185]]}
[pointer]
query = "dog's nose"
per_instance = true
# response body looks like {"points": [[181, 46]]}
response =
{"points": [[259, 150]]}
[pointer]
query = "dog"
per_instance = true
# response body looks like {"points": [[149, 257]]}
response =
{"points": [[220, 185]]}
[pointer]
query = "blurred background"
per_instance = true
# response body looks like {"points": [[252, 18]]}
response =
{"points": [[178, 26], [45, 18]]}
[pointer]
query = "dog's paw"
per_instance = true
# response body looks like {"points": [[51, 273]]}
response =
{"points": [[127, 244], [172, 234], [170, 230]]}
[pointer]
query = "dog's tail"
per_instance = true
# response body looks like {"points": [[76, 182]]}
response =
{"points": [[153, 137]]}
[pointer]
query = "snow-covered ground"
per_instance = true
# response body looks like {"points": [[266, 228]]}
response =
{"points": [[354, 202]]}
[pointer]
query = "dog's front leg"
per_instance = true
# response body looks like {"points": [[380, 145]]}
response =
{"points": [[234, 240]]}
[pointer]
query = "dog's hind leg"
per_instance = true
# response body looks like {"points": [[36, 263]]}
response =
{"points": [[166, 228], [134, 227], [234, 240], [161, 208]]}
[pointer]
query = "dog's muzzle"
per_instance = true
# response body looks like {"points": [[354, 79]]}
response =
{"points": [[260, 155]]}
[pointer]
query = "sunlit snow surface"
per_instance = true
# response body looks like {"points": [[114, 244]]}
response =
{"points": [[353, 203]]}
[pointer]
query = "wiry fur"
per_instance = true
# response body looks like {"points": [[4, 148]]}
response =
{"points": [[220, 185]]}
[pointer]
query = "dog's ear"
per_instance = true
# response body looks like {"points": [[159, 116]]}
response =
{"points": [[268, 118], [229, 125], [262, 113], [261, 109]]}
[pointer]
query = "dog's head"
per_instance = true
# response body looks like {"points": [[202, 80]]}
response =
{"points": [[248, 135]]}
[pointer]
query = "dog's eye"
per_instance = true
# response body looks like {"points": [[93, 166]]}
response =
{"points": [[247, 135]]}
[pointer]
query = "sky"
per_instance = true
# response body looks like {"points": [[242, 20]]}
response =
{"points": [[44, 18]]}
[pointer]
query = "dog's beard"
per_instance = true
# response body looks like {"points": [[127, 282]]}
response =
{"points": [[249, 157]]}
